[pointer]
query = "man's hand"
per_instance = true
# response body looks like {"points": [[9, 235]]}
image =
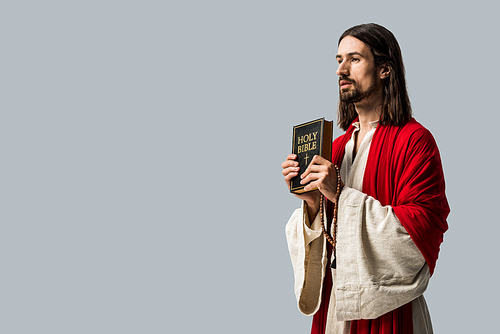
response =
{"points": [[322, 175], [291, 169]]}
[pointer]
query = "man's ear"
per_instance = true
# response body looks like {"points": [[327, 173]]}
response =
{"points": [[385, 71]]}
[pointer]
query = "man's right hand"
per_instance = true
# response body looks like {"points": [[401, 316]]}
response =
{"points": [[291, 169]]}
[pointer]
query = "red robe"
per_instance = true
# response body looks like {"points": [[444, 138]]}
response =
{"points": [[403, 170]]}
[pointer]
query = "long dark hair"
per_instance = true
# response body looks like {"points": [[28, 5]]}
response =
{"points": [[396, 106]]}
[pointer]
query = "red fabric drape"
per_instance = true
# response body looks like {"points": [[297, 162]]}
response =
{"points": [[398, 321], [319, 318], [403, 170]]}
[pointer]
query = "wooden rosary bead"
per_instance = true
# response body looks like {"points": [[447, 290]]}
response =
{"points": [[331, 238]]}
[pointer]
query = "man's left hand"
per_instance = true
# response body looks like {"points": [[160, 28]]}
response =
{"points": [[323, 175]]}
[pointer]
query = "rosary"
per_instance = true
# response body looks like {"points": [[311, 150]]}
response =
{"points": [[331, 238]]}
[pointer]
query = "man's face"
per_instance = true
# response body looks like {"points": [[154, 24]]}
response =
{"points": [[357, 72]]}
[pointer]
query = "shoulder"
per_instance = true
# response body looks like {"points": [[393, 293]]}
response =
{"points": [[419, 137], [412, 136], [414, 128]]}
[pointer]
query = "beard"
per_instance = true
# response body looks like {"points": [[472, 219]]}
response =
{"points": [[354, 95]]}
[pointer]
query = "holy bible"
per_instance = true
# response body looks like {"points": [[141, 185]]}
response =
{"points": [[310, 139]]}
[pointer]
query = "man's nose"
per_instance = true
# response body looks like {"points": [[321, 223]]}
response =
{"points": [[342, 70]]}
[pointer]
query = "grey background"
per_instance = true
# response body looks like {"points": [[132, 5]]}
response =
{"points": [[141, 145]]}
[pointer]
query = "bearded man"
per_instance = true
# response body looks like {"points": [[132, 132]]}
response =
{"points": [[392, 207]]}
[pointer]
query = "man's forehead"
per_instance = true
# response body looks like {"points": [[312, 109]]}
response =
{"points": [[351, 45]]}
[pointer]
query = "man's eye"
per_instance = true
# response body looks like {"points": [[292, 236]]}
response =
{"points": [[354, 59]]}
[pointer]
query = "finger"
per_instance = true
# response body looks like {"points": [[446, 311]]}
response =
{"points": [[288, 179], [318, 160], [311, 177], [289, 163], [289, 170], [289, 176], [292, 157], [307, 171], [318, 164], [311, 186], [314, 168]]}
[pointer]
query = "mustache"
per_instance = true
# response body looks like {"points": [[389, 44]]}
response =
{"points": [[343, 78]]}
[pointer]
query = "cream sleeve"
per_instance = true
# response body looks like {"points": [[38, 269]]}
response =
{"points": [[379, 267], [307, 248]]}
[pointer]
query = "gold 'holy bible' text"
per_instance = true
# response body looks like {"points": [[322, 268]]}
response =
{"points": [[306, 142]]}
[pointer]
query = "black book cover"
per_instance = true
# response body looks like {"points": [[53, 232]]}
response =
{"points": [[310, 139]]}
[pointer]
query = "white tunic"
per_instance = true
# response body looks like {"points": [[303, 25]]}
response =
{"points": [[379, 268]]}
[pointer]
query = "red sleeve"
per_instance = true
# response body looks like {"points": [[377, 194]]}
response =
{"points": [[408, 175], [421, 204]]}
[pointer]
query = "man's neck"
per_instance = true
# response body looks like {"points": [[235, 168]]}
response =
{"points": [[368, 111]]}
